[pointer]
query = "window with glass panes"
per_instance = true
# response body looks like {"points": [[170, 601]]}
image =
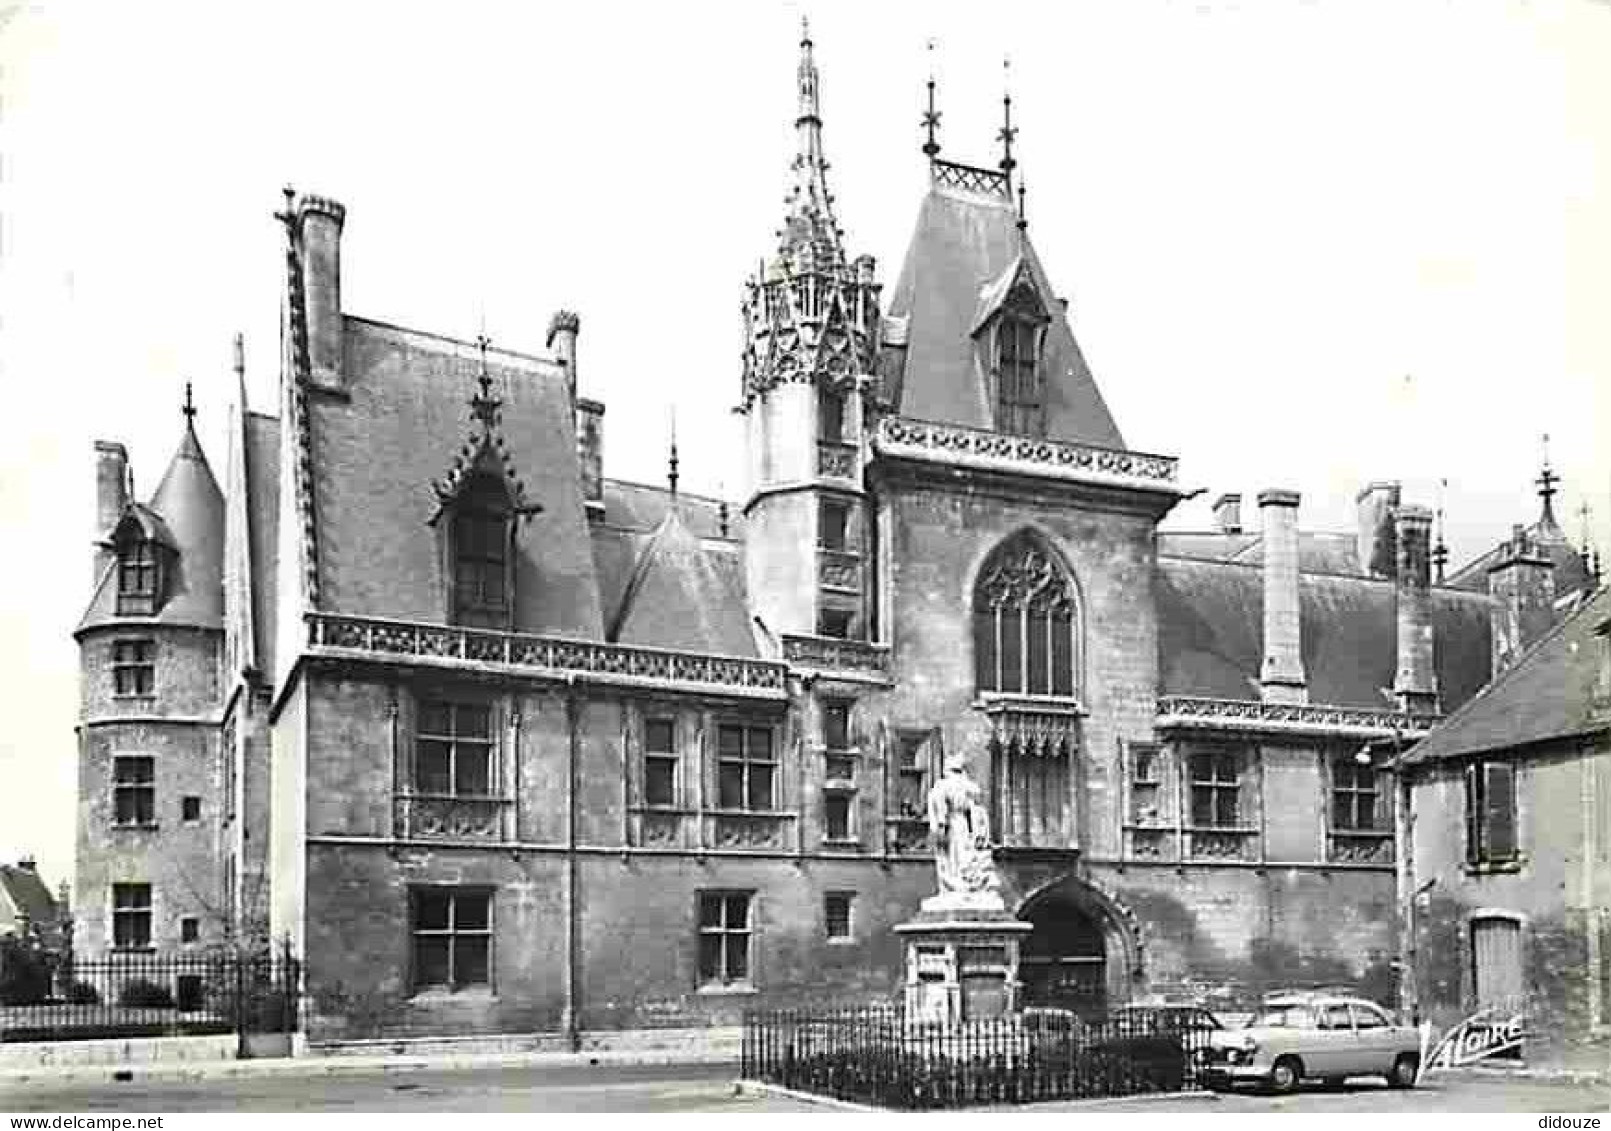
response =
{"points": [[836, 913], [134, 790], [481, 557], [134, 667], [1353, 795], [724, 937], [137, 578], [837, 808], [1019, 408], [1216, 785], [131, 916], [830, 415], [453, 749], [833, 524], [746, 767], [912, 773], [659, 762], [452, 931], [1024, 626]]}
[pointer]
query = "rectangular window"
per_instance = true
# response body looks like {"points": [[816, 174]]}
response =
{"points": [[912, 774], [1019, 401], [724, 938], [1216, 785], [190, 809], [659, 762], [481, 561], [1354, 793], [746, 767], [189, 929], [134, 667], [834, 623], [836, 815], [833, 525], [453, 750], [836, 724], [1146, 784], [830, 415], [137, 579], [131, 916], [452, 930], [134, 790], [1490, 813], [836, 913]]}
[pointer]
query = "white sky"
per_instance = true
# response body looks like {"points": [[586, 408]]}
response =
{"points": [[1306, 245]]}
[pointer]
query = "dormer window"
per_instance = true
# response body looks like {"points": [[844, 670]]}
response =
{"points": [[1020, 397], [483, 578], [137, 577]]}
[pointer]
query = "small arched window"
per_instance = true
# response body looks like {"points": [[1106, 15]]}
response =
{"points": [[1025, 622], [483, 578]]}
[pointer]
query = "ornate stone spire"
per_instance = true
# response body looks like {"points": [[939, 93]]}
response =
{"points": [[809, 313]]}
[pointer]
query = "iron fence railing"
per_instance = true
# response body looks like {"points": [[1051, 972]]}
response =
{"points": [[879, 1055], [146, 994]]}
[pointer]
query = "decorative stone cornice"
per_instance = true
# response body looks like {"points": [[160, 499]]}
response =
{"points": [[1034, 725], [1187, 712], [831, 655], [553, 657], [956, 445]]}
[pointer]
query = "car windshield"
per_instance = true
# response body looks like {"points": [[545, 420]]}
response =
{"points": [[1285, 1017]]}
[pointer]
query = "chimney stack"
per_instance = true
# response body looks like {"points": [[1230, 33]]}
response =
{"points": [[562, 330], [319, 220], [1416, 682], [111, 496], [1375, 506], [1522, 583], [1228, 513], [1282, 676], [590, 455]]}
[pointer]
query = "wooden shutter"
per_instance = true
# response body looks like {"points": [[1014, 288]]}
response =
{"points": [[1473, 815], [1499, 811]]}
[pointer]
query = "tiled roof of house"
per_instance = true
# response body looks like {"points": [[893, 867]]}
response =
{"points": [[1548, 693], [1210, 635], [378, 451], [965, 241], [27, 893]]}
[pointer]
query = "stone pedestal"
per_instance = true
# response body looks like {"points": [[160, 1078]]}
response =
{"points": [[961, 960]]}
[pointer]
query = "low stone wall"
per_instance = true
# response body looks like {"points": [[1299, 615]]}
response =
{"points": [[131, 1050]]}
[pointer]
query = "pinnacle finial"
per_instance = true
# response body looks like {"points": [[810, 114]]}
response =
{"points": [[1023, 210], [1007, 132], [240, 355], [1547, 480], [189, 407], [671, 464], [1440, 552], [931, 117], [805, 31], [484, 406]]}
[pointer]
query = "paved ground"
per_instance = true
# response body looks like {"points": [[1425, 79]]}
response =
{"points": [[1371, 1096]]}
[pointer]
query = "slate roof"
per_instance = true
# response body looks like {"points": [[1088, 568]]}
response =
{"points": [[1548, 693], [378, 450], [26, 892], [187, 513], [1318, 551], [1210, 635], [964, 242], [1571, 572], [685, 595], [263, 517]]}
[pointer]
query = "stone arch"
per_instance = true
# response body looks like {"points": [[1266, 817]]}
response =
{"points": [[1072, 912]]}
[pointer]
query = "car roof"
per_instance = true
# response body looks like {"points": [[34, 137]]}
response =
{"points": [[1305, 998]]}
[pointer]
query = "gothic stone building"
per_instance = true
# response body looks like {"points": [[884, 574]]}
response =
{"points": [[506, 746]]}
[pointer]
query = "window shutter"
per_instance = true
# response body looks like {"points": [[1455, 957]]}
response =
{"points": [[1473, 815], [1499, 788]]}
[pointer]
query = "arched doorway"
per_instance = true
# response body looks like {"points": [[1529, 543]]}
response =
{"points": [[1063, 962]]}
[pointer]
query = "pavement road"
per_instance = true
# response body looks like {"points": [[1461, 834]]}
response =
{"points": [[698, 1088]]}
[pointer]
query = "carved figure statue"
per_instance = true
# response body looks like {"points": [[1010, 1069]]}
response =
{"points": [[961, 832]]}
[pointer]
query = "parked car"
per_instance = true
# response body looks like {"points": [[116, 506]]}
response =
{"points": [[1183, 1017], [1312, 1035]]}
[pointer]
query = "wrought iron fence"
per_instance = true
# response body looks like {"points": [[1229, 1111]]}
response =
{"points": [[145, 994], [878, 1055]]}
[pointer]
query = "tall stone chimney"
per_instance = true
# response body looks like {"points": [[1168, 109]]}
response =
{"points": [[320, 221], [1282, 675], [1375, 506], [562, 331], [1522, 583], [590, 455], [1228, 513], [1416, 683], [111, 496]]}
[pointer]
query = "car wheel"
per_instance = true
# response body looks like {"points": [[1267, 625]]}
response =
{"points": [[1404, 1071], [1285, 1075]]}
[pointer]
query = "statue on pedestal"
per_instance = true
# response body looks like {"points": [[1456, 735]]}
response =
{"points": [[961, 831]]}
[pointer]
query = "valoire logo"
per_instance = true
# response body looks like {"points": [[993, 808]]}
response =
{"points": [[1486, 1033]]}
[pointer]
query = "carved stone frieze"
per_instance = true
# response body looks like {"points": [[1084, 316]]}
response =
{"points": [[955, 444]]}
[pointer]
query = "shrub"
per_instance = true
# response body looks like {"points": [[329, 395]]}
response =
{"points": [[24, 972], [143, 994], [82, 993]]}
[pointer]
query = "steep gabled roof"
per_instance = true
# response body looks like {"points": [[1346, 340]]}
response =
{"points": [[965, 245], [1210, 635], [27, 894], [1548, 693], [684, 595]]}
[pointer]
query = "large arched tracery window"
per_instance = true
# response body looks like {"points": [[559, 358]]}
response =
{"points": [[1026, 622]]}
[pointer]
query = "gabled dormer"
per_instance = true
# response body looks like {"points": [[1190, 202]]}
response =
{"points": [[145, 552], [1009, 335]]}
